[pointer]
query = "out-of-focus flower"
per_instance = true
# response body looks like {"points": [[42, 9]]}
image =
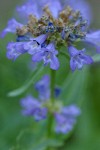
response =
{"points": [[29, 7], [40, 114], [43, 88], [57, 91], [35, 7], [35, 107], [94, 39], [15, 49], [32, 107], [11, 27], [81, 5], [78, 58], [48, 55], [66, 119]]}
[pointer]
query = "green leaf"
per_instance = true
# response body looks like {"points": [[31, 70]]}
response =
{"points": [[65, 55], [74, 86], [96, 58], [27, 84], [48, 143], [27, 139]]}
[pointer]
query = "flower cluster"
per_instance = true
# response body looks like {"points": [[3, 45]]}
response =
{"points": [[35, 7], [34, 107], [65, 117], [44, 35]]}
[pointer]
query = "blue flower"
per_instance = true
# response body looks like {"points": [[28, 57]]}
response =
{"points": [[22, 38], [32, 107], [34, 7], [15, 49], [28, 8], [43, 88], [94, 39], [31, 47], [78, 58], [81, 5], [66, 119], [11, 27], [57, 91], [40, 114], [35, 44], [48, 55], [55, 7]]}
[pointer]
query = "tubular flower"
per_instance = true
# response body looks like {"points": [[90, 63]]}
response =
{"points": [[83, 6], [35, 44], [35, 7], [66, 119], [38, 108], [15, 49], [94, 39], [78, 59], [44, 35], [32, 107], [43, 88], [11, 27], [48, 55]]}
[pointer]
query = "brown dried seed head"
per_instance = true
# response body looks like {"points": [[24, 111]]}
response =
{"points": [[32, 19], [22, 31], [48, 12], [64, 15]]}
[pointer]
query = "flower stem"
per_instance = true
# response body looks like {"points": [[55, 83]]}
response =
{"points": [[52, 87], [52, 98]]}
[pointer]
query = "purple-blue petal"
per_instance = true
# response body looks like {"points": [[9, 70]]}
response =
{"points": [[43, 88], [40, 114], [72, 51], [37, 56], [66, 119], [81, 5], [73, 64], [11, 27], [41, 39], [54, 64]]}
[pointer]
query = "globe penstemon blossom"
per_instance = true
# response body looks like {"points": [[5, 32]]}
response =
{"points": [[11, 27], [94, 39], [32, 107], [66, 119], [35, 7], [64, 116], [48, 32], [48, 55], [78, 58], [43, 88], [81, 5]]}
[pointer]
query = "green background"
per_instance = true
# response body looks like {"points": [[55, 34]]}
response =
{"points": [[81, 87]]}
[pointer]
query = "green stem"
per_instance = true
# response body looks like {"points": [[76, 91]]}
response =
{"points": [[52, 98], [52, 86]]}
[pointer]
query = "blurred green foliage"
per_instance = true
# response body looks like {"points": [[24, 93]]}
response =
{"points": [[82, 87]]}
